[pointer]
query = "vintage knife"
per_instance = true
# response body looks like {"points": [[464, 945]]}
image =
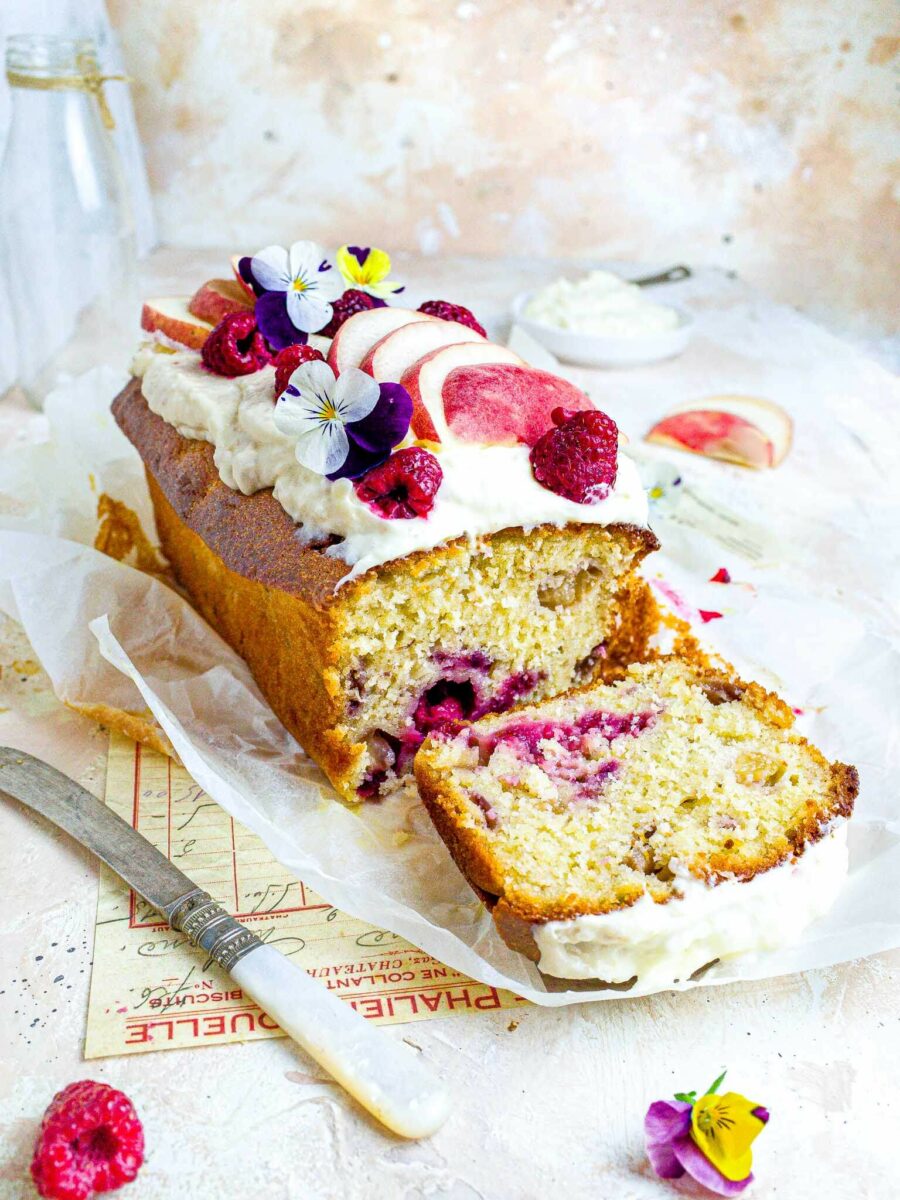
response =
{"points": [[383, 1075]]}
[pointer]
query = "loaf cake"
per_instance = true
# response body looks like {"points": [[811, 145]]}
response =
{"points": [[643, 828], [475, 546]]}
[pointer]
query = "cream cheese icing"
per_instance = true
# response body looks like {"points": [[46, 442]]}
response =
{"points": [[485, 488], [663, 943]]}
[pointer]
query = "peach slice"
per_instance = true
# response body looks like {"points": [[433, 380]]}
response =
{"points": [[746, 430], [505, 403], [359, 333], [397, 351], [217, 298], [424, 381], [172, 317], [242, 283]]}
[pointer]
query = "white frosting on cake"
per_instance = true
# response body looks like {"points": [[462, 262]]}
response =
{"points": [[662, 943], [485, 488]]}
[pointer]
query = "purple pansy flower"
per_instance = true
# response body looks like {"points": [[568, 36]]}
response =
{"points": [[294, 289], [707, 1138], [344, 425]]}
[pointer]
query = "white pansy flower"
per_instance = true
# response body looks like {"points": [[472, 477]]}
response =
{"points": [[322, 406], [305, 277]]}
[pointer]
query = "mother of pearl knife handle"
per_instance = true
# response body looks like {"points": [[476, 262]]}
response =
{"points": [[385, 1076]]}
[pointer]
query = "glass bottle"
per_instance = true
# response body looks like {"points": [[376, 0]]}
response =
{"points": [[66, 229]]}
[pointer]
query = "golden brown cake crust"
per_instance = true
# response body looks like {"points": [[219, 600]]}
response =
{"points": [[484, 872]]}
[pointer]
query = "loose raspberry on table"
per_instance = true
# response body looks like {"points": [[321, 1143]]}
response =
{"points": [[452, 312], [346, 306], [236, 347], [91, 1140], [577, 459], [402, 487], [288, 360]]}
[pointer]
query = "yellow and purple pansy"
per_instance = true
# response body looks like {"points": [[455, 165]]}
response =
{"points": [[294, 289], [707, 1138], [366, 268], [344, 425]]}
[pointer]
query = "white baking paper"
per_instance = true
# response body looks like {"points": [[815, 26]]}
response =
{"points": [[812, 550]]}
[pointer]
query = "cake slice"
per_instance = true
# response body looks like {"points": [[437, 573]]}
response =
{"points": [[644, 828]]}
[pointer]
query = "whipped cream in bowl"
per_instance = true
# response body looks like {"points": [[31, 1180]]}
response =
{"points": [[602, 320]]}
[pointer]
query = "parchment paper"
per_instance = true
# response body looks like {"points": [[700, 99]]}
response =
{"points": [[812, 550]]}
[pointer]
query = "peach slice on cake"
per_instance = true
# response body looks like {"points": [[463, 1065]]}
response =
{"points": [[395, 353], [217, 298], [242, 283], [172, 317], [424, 381], [741, 429], [359, 333], [506, 403]]}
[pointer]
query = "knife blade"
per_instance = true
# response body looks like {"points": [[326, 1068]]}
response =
{"points": [[383, 1075]]}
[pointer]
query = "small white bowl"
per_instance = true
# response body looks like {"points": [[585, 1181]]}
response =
{"points": [[595, 350]]}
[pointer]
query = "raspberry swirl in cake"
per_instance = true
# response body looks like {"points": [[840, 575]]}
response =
{"points": [[643, 829]]}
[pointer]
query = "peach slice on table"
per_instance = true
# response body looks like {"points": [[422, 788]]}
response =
{"points": [[746, 430], [395, 353], [242, 283], [217, 298], [505, 403], [359, 333], [171, 316]]}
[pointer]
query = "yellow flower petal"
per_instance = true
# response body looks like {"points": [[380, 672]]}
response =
{"points": [[378, 266], [724, 1128], [348, 265]]}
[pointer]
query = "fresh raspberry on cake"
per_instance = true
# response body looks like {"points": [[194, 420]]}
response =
{"points": [[644, 828], [578, 458], [347, 306], [236, 347], [404, 486], [289, 359], [452, 312], [91, 1141]]}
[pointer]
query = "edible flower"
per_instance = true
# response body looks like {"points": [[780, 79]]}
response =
{"points": [[344, 426], [294, 289], [708, 1138], [366, 268]]}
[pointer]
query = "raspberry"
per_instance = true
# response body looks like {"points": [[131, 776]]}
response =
{"points": [[288, 360], [235, 346], [90, 1140], [404, 486], [577, 459], [348, 305], [452, 312]]}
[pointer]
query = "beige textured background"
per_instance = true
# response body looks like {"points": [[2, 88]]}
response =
{"points": [[758, 135]]}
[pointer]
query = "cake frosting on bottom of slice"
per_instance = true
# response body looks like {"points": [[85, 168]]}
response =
{"points": [[643, 829]]}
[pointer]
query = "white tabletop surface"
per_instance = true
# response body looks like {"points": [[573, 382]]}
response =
{"points": [[550, 1102]]}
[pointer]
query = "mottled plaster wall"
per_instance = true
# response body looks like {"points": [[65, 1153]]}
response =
{"points": [[759, 135]]}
